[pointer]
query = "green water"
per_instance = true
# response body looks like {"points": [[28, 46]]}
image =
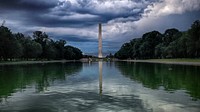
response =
{"points": [[99, 87]]}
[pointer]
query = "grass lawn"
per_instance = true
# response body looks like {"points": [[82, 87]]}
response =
{"points": [[176, 60], [32, 62]]}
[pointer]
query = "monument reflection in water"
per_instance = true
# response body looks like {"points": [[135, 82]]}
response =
{"points": [[100, 77]]}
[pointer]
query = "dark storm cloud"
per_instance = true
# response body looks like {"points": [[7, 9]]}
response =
{"points": [[25, 11], [53, 13], [105, 15], [84, 7], [56, 21], [27, 5]]}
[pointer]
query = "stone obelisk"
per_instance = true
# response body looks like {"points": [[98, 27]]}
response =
{"points": [[100, 41]]}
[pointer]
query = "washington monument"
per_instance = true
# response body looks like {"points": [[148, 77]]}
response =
{"points": [[100, 41]]}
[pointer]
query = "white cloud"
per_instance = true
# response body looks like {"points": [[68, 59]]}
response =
{"points": [[116, 7], [167, 14], [157, 16], [167, 7], [118, 31]]}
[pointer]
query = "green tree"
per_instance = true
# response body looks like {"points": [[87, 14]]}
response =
{"points": [[170, 35], [171, 44], [194, 39], [42, 38], [182, 45], [172, 50], [145, 50], [9, 46], [159, 51], [150, 41], [136, 43], [31, 49], [60, 48], [72, 53], [49, 50], [124, 52]]}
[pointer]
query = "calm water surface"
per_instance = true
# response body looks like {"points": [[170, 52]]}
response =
{"points": [[100, 87]]}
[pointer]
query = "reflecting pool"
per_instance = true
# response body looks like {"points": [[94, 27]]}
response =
{"points": [[99, 87]]}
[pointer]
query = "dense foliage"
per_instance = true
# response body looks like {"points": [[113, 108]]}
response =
{"points": [[39, 46], [172, 44]]}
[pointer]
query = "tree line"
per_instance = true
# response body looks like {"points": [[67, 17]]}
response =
{"points": [[38, 46], [172, 44]]}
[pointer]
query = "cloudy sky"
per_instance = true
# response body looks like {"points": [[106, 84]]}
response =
{"points": [[76, 21]]}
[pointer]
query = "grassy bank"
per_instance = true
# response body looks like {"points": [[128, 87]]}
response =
{"points": [[33, 62], [194, 62], [176, 60]]}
